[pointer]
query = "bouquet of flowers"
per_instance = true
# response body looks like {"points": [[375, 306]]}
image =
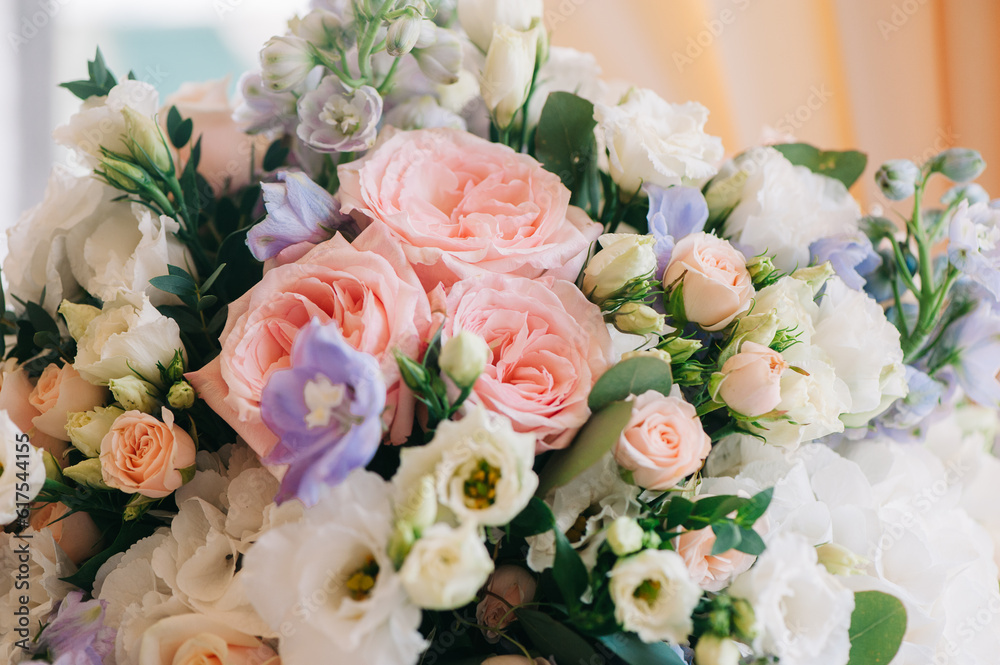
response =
{"points": [[434, 347]]}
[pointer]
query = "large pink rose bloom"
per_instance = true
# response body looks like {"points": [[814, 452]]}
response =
{"points": [[549, 345], [366, 287], [460, 205]]}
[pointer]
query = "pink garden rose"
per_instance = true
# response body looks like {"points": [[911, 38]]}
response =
{"points": [[549, 345], [58, 392], [367, 287], [142, 454], [717, 285], [460, 205], [663, 441], [751, 383]]}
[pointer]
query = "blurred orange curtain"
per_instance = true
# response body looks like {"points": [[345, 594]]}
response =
{"points": [[894, 78]]}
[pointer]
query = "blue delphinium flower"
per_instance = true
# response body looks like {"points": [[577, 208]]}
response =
{"points": [[976, 337], [851, 255], [298, 210], [925, 395], [76, 634], [674, 212], [326, 410], [974, 244]]}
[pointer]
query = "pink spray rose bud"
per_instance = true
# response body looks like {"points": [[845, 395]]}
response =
{"points": [[663, 441], [145, 455], [60, 391], [751, 383], [508, 587], [717, 285]]}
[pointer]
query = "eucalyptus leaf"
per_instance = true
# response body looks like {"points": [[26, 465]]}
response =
{"points": [[727, 537], [564, 140], [877, 628], [592, 442], [630, 377], [554, 639], [634, 651], [275, 156], [846, 166]]}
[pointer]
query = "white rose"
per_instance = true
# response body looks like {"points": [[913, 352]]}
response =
{"points": [[446, 567], [623, 258], [130, 334], [478, 17], [653, 141], [654, 595], [22, 471], [330, 578], [480, 465], [86, 429], [784, 208], [802, 611], [864, 349], [507, 75], [100, 123]]}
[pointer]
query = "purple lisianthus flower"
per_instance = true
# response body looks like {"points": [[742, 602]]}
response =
{"points": [[976, 339], [674, 212], [851, 255], [298, 210], [974, 244], [333, 118], [76, 634], [326, 410]]}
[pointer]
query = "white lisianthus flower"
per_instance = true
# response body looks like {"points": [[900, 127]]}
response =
{"points": [[864, 349], [328, 576], [478, 17], [509, 69], [446, 567], [130, 334], [653, 141], [802, 611], [22, 471], [783, 208], [100, 123], [654, 595], [792, 301], [480, 465]]}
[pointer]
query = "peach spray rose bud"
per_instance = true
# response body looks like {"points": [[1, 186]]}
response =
{"points": [[508, 587], [143, 454], [751, 380], [717, 285], [59, 392]]}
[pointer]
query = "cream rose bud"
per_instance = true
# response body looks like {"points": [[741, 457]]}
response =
{"points": [[463, 358], [751, 380], [714, 650], [87, 473], [446, 567], [507, 75], [482, 468], [60, 391], [663, 441], [639, 319], [717, 285], [86, 429], [134, 394], [508, 588], [654, 596], [145, 455], [22, 471], [624, 257], [479, 17], [625, 536], [130, 336]]}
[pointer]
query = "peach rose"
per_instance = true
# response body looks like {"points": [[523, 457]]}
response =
{"points": [[196, 639], [145, 455], [460, 205], [549, 345], [717, 285], [59, 392], [366, 286], [76, 534], [751, 383], [508, 587], [15, 388], [713, 572], [663, 441], [225, 149]]}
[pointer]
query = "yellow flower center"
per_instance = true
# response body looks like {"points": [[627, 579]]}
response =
{"points": [[648, 591], [481, 486], [361, 583]]}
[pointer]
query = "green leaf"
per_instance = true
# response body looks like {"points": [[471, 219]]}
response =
{"points": [[591, 443], [536, 518], [179, 272], [207, 284], [564, 140], [630, 377], [206, 302], [178, 129], [877, 628], [41, 320], [244, 270], [727, 536], [554, 639], [275, 156], [568, 570], [751, 542], [634, 651], [753, 510], [175, 284], [678, 510], [99, 82], [715, 508], [845, 166]]}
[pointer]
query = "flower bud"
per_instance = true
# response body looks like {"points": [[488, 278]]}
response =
{"points": [[181, 395], [758, 328], [86, 429], [659, 354], [400, 543], [744, 620], [134, 394], [87, 473], [625, 536], [760, 268], [839, 560], [52, 469], [898, 178], [751, 380], [413, 373], [403, 34], [321, 28], [418, 506], [78, 317], [625, 257], [815, 276], [714, 650], [638, 319], [124, 175], [510, 67], [285, 62], [971, 192], [681, 349], [463, 358], [479, 17], [175, 370], [959, 164], [441, 61], [145, 141]]}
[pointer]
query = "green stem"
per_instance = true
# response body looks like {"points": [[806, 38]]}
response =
{"points": [[387, 81]]}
